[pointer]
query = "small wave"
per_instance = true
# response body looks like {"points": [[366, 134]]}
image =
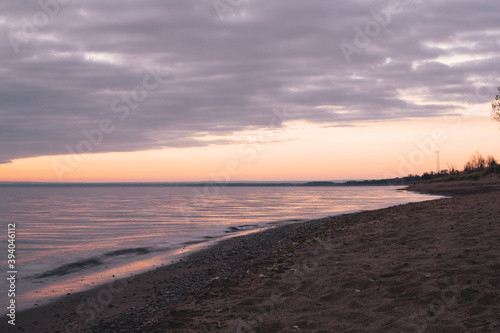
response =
{"points": [[137, 250], [240, 228], [88, 263], [195, 242], [70, 268], [285, 221]]}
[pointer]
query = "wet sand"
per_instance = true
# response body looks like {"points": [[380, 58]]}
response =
{"points": [[432, 266]]}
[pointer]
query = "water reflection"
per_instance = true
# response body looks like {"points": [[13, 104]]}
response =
{"points": [[60, 226]]}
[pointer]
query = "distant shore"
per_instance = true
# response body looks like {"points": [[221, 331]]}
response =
{"points": [[420, 267], [456, 188]]}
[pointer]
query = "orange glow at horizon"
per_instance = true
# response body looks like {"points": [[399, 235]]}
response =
{"points": [[301, 151]]}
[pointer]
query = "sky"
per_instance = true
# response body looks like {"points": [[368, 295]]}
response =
{"points": [[185, 90]]}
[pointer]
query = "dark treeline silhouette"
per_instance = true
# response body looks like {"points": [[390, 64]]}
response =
{"points": [[478, 166]]}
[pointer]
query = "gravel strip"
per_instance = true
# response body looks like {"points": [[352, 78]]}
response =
{"points": [[229, 260]]}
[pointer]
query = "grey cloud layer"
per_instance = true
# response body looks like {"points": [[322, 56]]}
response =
{"points": [[227, 74]]}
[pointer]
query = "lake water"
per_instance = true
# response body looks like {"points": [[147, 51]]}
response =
{"points": [[72, 238]]}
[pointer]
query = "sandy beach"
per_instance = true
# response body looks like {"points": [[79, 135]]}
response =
{"points": [[432, 266]]}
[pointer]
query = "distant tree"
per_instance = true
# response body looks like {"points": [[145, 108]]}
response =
{"points": [[480, 160], [491, 161], [427, 176], [476, 161], [495, 107], [468, 166], [452, 169]]}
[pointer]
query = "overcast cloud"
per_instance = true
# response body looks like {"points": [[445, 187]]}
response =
{"points": [[66, 65]]}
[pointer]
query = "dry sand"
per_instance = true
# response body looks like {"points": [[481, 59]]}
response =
{"points": [[423, 267]]}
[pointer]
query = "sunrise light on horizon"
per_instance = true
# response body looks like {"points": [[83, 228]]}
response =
{"points": [[301, 152]]}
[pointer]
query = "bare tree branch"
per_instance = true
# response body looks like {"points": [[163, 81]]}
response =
{"points": [[495, 107]]}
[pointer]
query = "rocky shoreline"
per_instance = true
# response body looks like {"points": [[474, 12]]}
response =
{"points": [[132, 300]]}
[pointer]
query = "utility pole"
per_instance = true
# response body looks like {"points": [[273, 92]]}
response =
{"points": [[437, 162]]}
